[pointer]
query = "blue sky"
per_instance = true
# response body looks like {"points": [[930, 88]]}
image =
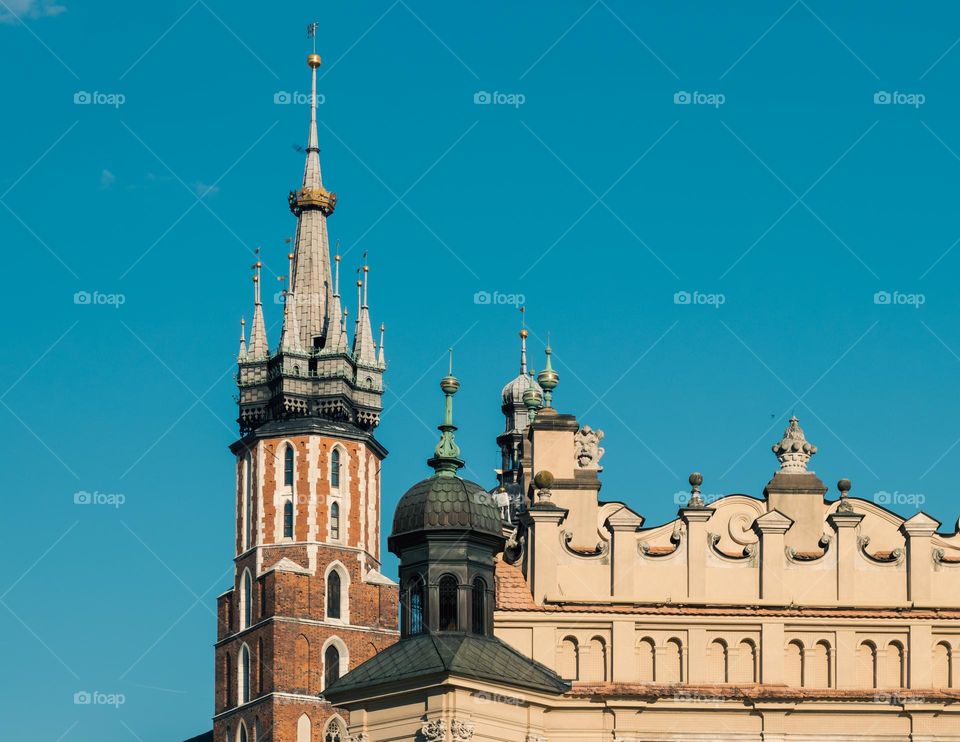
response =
{"points": [[780, 163]]}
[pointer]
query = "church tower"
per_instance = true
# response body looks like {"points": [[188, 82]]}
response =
{"points": [[308, 600]]}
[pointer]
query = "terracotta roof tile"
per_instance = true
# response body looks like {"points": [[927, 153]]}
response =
{"points": [[758, 692]]}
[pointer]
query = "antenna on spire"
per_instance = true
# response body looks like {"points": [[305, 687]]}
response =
{"points": [[256, 277], [450, 369], [523, 340], [312, 34]]}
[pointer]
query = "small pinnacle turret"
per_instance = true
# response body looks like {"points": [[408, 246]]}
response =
{"points": [[259, 348]]}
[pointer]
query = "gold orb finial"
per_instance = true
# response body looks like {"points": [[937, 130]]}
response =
{"points": [[289, 256], [313, 60], [524, 334]]}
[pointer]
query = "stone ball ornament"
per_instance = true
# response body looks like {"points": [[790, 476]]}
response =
{"points": [[543, 479]]}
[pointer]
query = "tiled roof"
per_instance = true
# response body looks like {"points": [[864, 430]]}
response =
{"points": [[446, 502], [513, 594], [464, 655], [757, 692]]}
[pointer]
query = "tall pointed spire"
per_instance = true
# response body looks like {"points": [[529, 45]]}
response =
{"points": [[338, 328], [243, 340], [312, 204], [446, 457], [381, 359], [523, 341], [290, 337], [363, 348], [258, 348]]}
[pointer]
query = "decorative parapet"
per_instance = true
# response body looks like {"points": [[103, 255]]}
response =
{"points": [[602, 550], [881, 557], [748, 554]]}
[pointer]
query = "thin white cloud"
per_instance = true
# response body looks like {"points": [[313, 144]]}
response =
{"points": [[107, 179], [203, 189], [12, 11]]}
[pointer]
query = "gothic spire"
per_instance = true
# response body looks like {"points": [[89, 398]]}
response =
{"points": [[363, 348], [243, 340], [290, 337], [258, 349], [337, 326], [312, 204], [381, 360]]}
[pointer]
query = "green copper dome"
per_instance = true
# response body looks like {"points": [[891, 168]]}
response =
{"points": [[446, 503]]}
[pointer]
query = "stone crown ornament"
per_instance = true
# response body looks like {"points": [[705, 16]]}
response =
{"points": [[793, 451]]}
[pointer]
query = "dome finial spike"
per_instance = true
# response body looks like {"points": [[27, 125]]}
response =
{"points": [[523, 341], [548, 378], [446, 457]]}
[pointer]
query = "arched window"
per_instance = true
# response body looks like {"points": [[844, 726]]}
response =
{"points": [[894, 675], [228, 685], [333, 595], [671, 669], [941, 665], [288, 466], [479, 600], [745, 669], [331, 666], [335, 731], [596, 669], [304, 729], [335, 522], [261, 665], [335, 468], [417, 606], [793, 665], [717, 661], [646, 652], [256, 729], [242, 732], [288, 519], [818, 666], [867, 665], [448, 603], [301, 670], [246, 596], [243, 682], [568, 659]]}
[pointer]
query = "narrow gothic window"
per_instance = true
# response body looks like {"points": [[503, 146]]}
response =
{"points": [[247, 600], [335, 522], [479, 606], [248, 502], [333, 595], [242, 733], [416, 606], [244, 684], [335, 468], [331, 666], [288, 519], [288, 466], [448, 603]]}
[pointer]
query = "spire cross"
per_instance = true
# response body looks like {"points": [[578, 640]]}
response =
{"points": [[256, 277]]}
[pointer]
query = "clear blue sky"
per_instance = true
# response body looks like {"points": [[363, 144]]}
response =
{"points": [[794, 199]]}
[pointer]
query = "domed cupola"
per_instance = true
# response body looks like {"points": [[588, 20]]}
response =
{"points": [[447, 533]]}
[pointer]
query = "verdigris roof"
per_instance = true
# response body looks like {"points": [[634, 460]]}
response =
{"points": [[442, 502], [463, 655]]}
